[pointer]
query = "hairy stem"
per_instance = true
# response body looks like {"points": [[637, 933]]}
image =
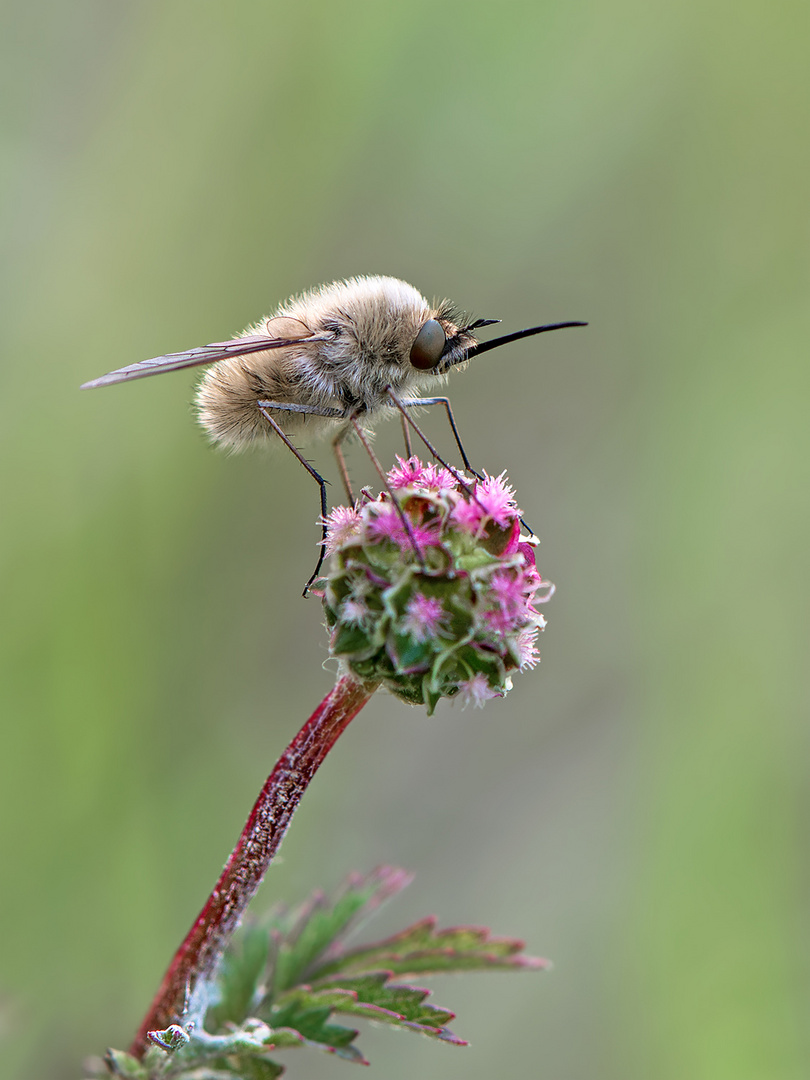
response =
{"points": [[261, 838]]}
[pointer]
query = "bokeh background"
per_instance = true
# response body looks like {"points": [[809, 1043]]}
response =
{"points": [[637, 808]]}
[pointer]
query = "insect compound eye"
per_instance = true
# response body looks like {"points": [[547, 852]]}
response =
{"points": [[428, 347]]}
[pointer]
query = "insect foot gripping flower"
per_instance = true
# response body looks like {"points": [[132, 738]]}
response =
{"points": [[434, 597]]}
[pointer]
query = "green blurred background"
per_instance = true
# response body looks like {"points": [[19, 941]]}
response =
{"points": [[637, 808]]}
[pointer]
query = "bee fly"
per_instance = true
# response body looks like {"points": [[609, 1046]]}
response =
{"points": [[331, 361]]}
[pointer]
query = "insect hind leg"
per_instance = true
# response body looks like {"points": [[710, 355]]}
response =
{"points": [[264, 406]]}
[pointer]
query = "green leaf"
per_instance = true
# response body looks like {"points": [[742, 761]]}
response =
{"points": [[371, 997], [406, 1001], [374, 997], [421, 949], [309, 1015], [319, 925], [310, 977]]}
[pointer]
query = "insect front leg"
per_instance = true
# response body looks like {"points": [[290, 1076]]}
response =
{"points": [[408, 403], [403, 404]]}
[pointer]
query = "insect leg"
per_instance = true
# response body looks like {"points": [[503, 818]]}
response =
{"points": [[263, 406], [403, 405], [309, 410], [337, 450], [402, 515], [408, 402], [406, 435]]}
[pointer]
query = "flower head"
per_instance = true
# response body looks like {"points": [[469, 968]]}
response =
{"points": [[433, 594]]}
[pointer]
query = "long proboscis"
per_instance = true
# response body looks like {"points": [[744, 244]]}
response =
{"points": [[485, 346]]}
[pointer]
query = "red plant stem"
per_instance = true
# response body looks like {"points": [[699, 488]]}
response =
{"points": [[260, 840]]}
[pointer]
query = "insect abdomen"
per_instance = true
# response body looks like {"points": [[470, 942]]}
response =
{"points": [[228, 396]]}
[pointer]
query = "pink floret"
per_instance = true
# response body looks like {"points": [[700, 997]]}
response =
{"points": [[437, 478], [492, 500], [468, 515], [410, 473], [508, 588], [387, 525], [476, 691], [497, 499], [342, 524], [354, 611], [424, 617], [528, 654], [512, 591]]}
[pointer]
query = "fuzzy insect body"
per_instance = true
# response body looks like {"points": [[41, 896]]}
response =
{"points": [[328, 362], [349, 344]]}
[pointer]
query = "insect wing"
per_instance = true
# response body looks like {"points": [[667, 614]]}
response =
{"points": [[289, 332]]}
